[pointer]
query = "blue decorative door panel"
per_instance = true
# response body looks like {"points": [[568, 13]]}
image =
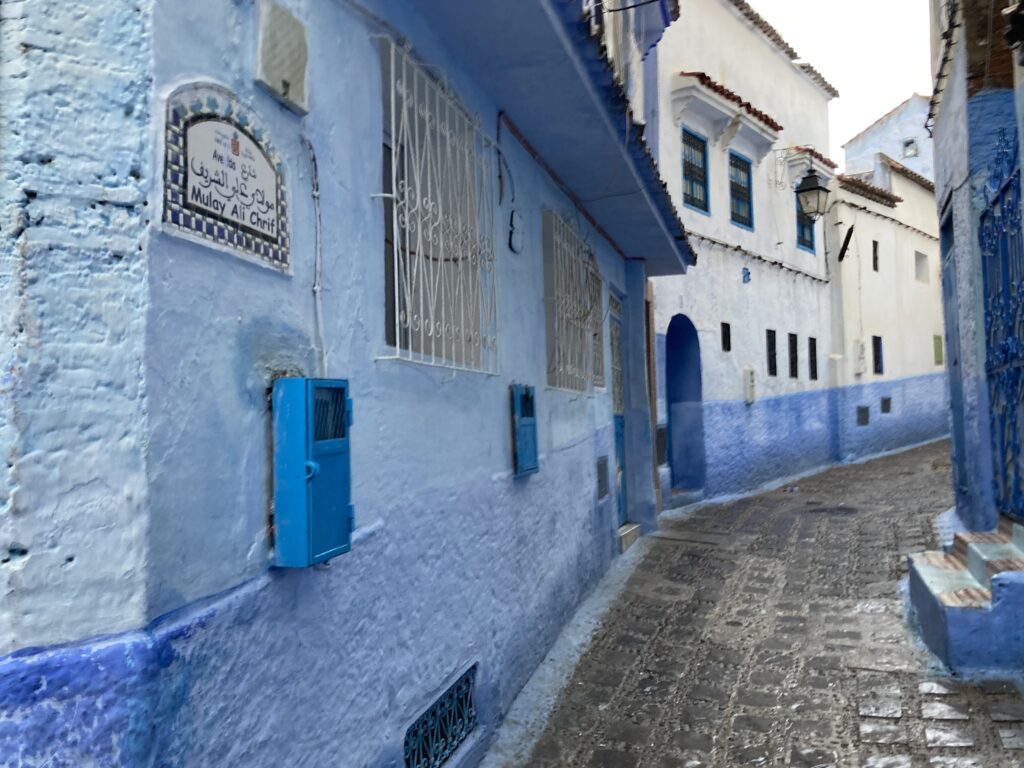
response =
{"points": [[1002, 250]]}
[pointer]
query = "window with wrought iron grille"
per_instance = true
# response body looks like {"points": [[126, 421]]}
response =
{"points": [[573, 306], [695, 171], [741, 191], [440, 277]]}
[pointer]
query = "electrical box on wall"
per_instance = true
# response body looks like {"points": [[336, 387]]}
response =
{"points": [[313, 513], [524, 429], [749, 385], [282, 56]]}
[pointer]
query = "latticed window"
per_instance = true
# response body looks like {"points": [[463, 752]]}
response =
{"points": [[573, 302], [695, 171], [741, 206], [440, 292]]}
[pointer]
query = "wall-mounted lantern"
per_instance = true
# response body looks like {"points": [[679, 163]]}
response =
{"points": [[813, 196]]}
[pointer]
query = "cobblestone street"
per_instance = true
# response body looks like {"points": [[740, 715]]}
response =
{"points": [[770, 632]]}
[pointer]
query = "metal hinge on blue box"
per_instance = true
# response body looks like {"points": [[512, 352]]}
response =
{"points": [[313, 515]]}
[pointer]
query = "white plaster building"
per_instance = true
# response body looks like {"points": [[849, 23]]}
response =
{"points": [[756, 380], [889, 351], [900, 134]]}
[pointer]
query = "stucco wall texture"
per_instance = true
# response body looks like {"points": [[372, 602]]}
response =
{"points": [[77, 164], [134, 413]]}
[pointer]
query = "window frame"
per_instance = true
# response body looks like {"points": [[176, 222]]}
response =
{"points": [[743, 159], [705, 157], [812, 358], [804, 221], [794, 356], [771, 351], [455, 327], [876, 259], [574, 344], [726, 337], [877, 355]]}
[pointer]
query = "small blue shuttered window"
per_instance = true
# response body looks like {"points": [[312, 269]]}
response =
{"points": [[524, 429], [695, 171], [741, 191], [804, 229]]}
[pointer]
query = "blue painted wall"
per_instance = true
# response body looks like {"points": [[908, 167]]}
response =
{"points": [[454, 561], [775, 437]]}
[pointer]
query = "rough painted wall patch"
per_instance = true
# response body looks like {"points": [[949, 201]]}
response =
{"points": [[223, 184]]}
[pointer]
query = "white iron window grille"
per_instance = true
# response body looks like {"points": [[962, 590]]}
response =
{"points": [[573, 294], [441, 293]]}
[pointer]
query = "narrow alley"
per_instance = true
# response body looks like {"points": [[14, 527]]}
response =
{"points": [[770, 631]]}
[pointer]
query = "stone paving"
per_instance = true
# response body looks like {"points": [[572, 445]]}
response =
{"points": [[770, 632]]}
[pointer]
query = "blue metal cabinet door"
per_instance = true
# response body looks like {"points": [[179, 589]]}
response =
{"points": [[524, 422], [327, 472]]}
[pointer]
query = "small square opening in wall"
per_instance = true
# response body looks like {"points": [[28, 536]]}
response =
{"points": [[602, 477], [910, 148], [886, 405], [921, 267], [863, 415]]}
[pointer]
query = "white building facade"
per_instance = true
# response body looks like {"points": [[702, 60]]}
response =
{"points": [[755, 379]]}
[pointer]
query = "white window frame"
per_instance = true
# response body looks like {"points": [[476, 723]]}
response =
{"points": [[574, 308], [442, 302]]}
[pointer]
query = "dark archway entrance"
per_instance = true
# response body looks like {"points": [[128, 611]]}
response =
{"points": [[684, 393]]}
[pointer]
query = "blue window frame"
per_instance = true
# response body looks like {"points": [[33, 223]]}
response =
{"points": [[741, 191], [695, 171], [804, 229]]}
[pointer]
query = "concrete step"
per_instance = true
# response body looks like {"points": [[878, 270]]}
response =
{"points": [[948, 580], [984, 560], [970, 600]]}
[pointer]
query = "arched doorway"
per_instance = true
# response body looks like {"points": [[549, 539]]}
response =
{"points": [[684, 393]]}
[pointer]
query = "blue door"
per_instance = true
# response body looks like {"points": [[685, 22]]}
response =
{"points": [[1002, 253], [618, 407]]}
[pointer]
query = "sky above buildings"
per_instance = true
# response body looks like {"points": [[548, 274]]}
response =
{"points": [[875, 52]]}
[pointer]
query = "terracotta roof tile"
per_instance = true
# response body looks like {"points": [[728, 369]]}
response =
{"points": [[817, 77], [818, 156], [734, 97], [902, 170], [767, 29], [870, 191]]}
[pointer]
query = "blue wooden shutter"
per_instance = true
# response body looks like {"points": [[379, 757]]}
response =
{"points": [[524, 429]]}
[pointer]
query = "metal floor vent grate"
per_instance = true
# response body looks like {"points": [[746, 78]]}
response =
{"points": [[439, 731]]}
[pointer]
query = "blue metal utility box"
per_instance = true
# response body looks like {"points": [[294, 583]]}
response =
{"points": [[524, 429], [313, 513]]}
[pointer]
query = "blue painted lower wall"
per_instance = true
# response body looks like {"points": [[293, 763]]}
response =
{"points": [[299, 667], [774, 437]]}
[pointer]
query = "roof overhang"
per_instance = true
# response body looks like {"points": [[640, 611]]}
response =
{"points": [[727, 117], [540, 64]]}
